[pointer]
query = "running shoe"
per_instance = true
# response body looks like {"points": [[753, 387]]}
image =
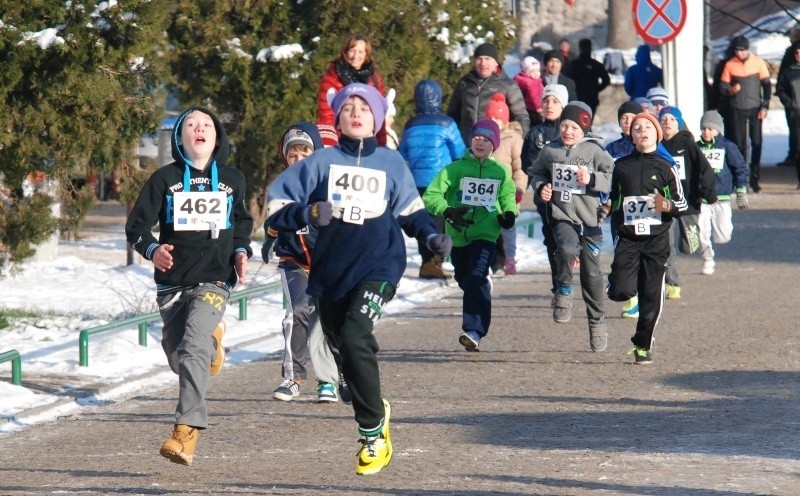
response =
{"points": [[287, 391], [376, 451]]}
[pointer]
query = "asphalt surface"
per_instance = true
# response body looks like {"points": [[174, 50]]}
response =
{"points": [[535, 412]]}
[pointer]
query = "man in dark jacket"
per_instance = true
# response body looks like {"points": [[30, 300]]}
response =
{"points": [[789, 93], [590, 76], [553, 63], [786, 62], [475, 90]]}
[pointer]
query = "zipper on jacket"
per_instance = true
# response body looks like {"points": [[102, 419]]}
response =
{"points": [[360, 151]]}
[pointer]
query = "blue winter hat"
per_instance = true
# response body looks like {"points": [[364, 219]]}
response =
{"points": [[676, 113], [377, 103], [488, 129]]}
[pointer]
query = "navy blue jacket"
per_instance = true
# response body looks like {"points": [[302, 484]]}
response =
{"points": [[734, 174]]}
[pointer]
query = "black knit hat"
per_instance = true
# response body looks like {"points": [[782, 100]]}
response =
{"points": [[579, 113], [629, 108], [553, 54], [741, 43], [487, 50]]}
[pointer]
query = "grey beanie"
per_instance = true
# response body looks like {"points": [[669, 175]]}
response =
{"points": [[712, 120]]}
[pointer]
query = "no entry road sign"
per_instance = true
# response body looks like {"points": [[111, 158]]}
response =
{"points": [[659, 21]]}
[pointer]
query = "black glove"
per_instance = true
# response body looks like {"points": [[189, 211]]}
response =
{"points": [[506, 220], [455, 216], [440, 244], [319, 214], [266, 247]]}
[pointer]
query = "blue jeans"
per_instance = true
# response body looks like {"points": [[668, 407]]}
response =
{"points": [[471, 264]]}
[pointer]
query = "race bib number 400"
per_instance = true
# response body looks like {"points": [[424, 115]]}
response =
{"points": [[639, 215], [356, 190], [200, 210], [565, 179], [479, 192]]}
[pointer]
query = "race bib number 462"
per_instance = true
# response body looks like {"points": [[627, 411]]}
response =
{"points": [[200, 210]]}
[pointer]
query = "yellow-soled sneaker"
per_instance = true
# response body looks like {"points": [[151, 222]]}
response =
{"points": [[219, 351], [376, 451], [673, 292]]}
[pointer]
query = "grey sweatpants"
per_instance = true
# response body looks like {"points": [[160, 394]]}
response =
{"points": [[302, 332], [573, 240], [190, 317]]}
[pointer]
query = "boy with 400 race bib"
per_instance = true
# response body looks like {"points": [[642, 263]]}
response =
{"points": [[360, 196], [476, 196], [569, 175]]}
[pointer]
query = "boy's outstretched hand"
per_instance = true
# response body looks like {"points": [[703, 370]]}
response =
{"points": [[506, 220], [440, 244]]}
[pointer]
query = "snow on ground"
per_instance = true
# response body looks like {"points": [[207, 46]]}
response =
{"points": [[84, 288]]}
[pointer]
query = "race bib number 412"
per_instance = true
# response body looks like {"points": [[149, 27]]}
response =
{"points": [[200, 210]]}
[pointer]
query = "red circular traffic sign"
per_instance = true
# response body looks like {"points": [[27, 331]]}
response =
{"points": [[659, 21]]}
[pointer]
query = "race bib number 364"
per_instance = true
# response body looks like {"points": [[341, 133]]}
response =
{"points": [[479, 192], [200, 210]]}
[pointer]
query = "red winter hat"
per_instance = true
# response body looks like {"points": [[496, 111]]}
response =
{"points": [[328, 134], [497, 108]]}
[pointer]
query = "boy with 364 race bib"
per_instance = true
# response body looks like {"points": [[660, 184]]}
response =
{"points": [[569, 175], [645, 194], [360, 196], [476, 196]]}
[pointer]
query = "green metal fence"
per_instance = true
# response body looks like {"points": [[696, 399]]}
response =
{"points": [[16, 365], [144, 320]]}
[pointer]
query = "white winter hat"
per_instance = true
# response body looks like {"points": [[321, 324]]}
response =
{"points": [[529, 64], [557, 90]]}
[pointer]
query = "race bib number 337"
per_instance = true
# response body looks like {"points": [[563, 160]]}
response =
{"points": [[200, 210]]}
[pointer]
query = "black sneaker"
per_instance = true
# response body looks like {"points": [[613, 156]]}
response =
{"points": [[287, 391], [641, 355], [344, 390]]}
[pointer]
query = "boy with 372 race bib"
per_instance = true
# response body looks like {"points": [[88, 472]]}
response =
{"points": [[569, 175], [645, 194]]}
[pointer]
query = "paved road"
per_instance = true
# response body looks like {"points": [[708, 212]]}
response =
{"points": [[535, 412]]}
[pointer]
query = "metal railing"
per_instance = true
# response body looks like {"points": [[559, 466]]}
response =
{"points": [[16, 365], [144, 320]]}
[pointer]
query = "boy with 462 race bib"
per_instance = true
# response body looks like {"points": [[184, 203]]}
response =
{"points": [[360, 196], [645, 194], [569, 175], [476, 196]]}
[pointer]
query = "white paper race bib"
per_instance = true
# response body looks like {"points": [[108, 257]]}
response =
{"points": [[565, 179], [715, 157], [637, 214], [479, 192], [200, 210], [356, 189], [680, 168]]}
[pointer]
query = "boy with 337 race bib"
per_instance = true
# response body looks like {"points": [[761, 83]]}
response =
{"points": [[569, 175], [360, 196], [645, 194], [476, 196]]}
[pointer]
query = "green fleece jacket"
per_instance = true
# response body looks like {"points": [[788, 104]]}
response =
{"points": [[446, 191]]}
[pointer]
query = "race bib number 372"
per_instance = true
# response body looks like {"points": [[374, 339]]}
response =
{"points": [[200, 210]]}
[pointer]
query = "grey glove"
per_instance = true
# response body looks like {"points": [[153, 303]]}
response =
{"points": [[319, 214], [741, 198], [440, 244]]}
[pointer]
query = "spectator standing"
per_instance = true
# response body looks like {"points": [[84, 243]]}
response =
{"points": [[645, 194], [787, 61], [642, 75], [569, 175], [553, 63], [590, 76], [789, 93], [508, 154], [553, 103], [716, 219], [198, 258], [745, 78], [474, 91], [476, 196], [360, 255], [565, 48], [353, 64], [430, 141], [303, 338], [697, 180], [529, 80]]}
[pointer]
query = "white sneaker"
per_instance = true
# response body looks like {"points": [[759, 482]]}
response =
{"points": [[708, 267]]}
